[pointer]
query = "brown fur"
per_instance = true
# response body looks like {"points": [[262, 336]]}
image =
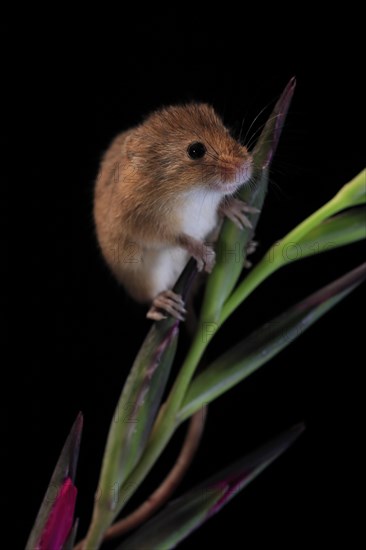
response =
{"points": [[142, 181]]}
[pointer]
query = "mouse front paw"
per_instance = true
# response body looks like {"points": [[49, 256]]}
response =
{"points": [[203, 254], [236, 210], [205, 257]]}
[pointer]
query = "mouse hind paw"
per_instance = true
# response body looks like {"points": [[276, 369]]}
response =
{"points": [[167, 303]]}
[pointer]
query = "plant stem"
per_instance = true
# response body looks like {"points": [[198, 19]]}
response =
{"points": [[94, 536]]}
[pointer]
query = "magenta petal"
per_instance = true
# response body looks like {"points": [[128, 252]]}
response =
{"points": [[60, 519]]}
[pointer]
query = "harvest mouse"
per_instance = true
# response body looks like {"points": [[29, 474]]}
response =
{"points": [[161, 189]]}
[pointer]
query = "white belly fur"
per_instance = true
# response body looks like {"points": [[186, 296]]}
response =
{"points": [[164, 266], [197, 218]]}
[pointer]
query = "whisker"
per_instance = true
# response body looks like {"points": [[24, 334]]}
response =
{"points": [[277, 190], [256, 118], [250, 141], [209, 164], [241, 128], [252, 183], [212, 156]]}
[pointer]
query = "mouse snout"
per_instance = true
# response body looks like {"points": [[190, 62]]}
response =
{"points": [[235, 172], [245, 170]]}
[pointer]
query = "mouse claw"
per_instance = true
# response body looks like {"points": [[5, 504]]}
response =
{"points": [[235, 210], [167, 302], [209, 259], [155, 315], [252, 247], [250, 209], [247, 264], [203, 253]]}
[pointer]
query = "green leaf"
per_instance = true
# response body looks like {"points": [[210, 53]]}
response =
{"points": [[185, 514], [344, 228], [65, 467], [135, 413], [353, 193], [257, 349], [278, 255], [268, 140], [137, 408], [232, 243]]}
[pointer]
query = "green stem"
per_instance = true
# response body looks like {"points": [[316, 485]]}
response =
{"points": [[189, 366], [95, 534]]}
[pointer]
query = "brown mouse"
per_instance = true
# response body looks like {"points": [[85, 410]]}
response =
{"points": [[160, 191]]}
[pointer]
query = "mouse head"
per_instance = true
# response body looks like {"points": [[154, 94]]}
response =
{"points": [[187, 146]]}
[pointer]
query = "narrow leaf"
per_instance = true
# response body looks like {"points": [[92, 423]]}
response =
{"points": [[353, 193], [61, 485], [231, 248], [345, 228], [257, 349], [340, 230], [268, 140], [185, 514], [139, 402]]}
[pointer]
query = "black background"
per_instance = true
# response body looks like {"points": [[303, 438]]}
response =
{"points": [[72, 87]]}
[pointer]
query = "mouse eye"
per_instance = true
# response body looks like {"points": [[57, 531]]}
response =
{"points": [[196, 150]]}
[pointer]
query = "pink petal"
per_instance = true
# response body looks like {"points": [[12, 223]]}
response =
{"points": [[60, 519]]}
